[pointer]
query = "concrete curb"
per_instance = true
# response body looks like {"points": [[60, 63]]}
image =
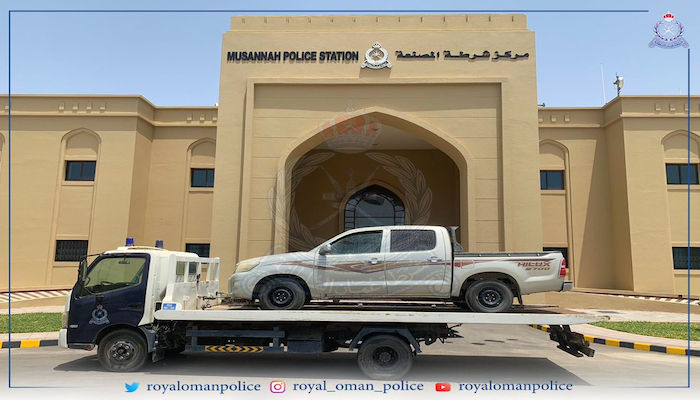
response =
{"points": [[632, 345], [24, 344]]}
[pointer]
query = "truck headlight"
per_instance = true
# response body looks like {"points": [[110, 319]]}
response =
{"points": [[245, 266], [64, 320]]}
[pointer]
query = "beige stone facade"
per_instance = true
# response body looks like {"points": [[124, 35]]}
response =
{"points": [[304, 132]]}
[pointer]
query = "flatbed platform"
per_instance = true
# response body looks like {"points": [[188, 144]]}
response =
{"points": [[382, 313]]}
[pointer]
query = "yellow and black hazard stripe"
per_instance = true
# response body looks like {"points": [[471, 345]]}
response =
{"points": [[234, 349], [681, 351], [23, 344]]}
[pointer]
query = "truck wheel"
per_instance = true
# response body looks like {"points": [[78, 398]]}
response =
{"points": [[122, 351], [385, 357], [282, 294], [489, 296]]}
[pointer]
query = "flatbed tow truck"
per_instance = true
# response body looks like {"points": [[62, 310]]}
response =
{"points": [[136, 303]]}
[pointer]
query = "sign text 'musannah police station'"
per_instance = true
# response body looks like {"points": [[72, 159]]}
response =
{"points": [[253, 56]]}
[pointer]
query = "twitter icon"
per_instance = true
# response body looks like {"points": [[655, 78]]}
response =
{"points": [[132, 387]]}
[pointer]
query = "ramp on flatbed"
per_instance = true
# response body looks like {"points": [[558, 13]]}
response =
{"points": [[446, 315]]}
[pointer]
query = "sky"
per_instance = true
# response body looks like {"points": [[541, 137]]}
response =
{"points": [[173, 58]]}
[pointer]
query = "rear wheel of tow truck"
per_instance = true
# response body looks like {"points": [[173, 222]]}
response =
{"points": [[385, 357], [489, 296], [282, 294], [122, 351]]}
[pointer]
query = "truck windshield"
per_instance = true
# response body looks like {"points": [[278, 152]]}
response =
{"points": [[113, 273]]}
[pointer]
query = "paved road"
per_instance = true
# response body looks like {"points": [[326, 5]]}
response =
{"points": [[499, 353]]}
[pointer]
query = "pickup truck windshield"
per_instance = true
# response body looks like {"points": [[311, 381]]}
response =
{"points": [[113, 273]]}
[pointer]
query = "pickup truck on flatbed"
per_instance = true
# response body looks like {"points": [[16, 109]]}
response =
{"points": [[138, 303], [398, 262]]}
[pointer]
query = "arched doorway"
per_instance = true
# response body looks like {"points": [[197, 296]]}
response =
{"points": [[425, 168], [373, 206]]}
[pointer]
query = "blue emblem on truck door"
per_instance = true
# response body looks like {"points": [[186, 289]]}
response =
{"points": [[99, 316]]}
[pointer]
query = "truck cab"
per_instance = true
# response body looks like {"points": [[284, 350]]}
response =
{"points": [[116, 295]]}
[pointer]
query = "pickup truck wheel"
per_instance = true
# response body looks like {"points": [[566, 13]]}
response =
{"points": [[489, 296], [122, 351], [282, 294], [385, 357]]}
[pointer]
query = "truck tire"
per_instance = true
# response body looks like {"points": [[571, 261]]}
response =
{"points": [[489, 296], [282, 294], [385, 357], [122, 351]]}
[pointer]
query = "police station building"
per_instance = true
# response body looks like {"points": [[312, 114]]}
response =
{"points": [[327, 123]]}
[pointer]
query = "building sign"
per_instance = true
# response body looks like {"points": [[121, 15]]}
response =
{"points": [[375, 58], [448, 55], [292, 56]]}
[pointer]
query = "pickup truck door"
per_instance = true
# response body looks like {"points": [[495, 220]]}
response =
{"points": [[355, 266], [417, 263]]}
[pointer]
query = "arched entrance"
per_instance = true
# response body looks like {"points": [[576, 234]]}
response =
{"points": [[373, 205], [423, 168]]}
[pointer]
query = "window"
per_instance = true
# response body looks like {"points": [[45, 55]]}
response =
{"points": [[373, 206], [563, 250], [191, 269], [70, 250], [412, 240], [680, 258], [680, 174], [203, 177], [358, 243], [552, 180], [113, 273], [80, 170], [201, 249]]}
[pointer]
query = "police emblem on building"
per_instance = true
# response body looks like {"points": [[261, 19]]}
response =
{"points": [[99, 316], [668, 33], [376, 58]]}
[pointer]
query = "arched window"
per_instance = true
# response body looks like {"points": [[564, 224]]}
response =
{"points": [[374, 206]]}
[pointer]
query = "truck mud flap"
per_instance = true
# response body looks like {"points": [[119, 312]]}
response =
{"points": [[570, 342], [369, 330]]}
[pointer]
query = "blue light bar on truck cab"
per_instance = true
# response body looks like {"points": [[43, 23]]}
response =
{"points": [[129, 241]]}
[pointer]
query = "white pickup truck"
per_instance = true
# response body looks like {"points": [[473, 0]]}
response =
{"points": [[398, 262]]}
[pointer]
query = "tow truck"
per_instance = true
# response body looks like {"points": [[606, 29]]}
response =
{"points": [[137, 303]]}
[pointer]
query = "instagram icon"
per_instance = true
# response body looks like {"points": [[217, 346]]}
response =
{"points": [[278, 387]]}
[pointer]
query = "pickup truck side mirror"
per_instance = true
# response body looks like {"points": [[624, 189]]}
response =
{"points": [[325, 249]]}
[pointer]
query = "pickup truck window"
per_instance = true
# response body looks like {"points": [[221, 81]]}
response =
{"points": [[358, 243], [114, 273], [412, 240]]}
